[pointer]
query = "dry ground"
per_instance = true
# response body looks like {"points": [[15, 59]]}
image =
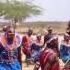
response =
{"points": [[30, 67], [38, 27]]}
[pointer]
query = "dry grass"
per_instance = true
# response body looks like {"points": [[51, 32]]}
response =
{"points": [[38, 27]]}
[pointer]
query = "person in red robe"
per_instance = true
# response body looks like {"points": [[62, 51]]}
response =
{"points": [[27, 42], [48, 59]]}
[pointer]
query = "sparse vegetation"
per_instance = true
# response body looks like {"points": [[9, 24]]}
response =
{"points": [[38, 27]]}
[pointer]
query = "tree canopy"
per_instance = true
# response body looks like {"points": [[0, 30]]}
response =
{"points": [[18, 9]]}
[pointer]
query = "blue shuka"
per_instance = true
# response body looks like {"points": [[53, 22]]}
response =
{"points": [[5, 62], [36, 52], [64, 52]]}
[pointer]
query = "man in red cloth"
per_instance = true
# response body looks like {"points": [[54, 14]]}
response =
{"points": [[27, 42]]}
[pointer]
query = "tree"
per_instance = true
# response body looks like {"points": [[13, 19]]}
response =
{"points": [[18, 10]]}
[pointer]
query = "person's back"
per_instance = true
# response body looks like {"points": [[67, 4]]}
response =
{"points": [[49, 60]]}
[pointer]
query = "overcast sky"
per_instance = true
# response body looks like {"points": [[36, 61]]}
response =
{"points": [[53, 10]]}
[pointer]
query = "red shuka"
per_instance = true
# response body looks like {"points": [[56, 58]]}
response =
{"points": [[49, 60]]}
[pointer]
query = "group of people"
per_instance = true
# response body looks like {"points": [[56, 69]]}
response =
{"points": [[44, 52]]}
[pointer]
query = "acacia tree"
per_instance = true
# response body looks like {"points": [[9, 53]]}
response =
{"points": [[18, 10]]}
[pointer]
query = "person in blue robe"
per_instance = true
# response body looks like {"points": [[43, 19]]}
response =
{"points": [[65, 49], [8, 55]]}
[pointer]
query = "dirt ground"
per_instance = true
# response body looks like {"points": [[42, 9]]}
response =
{"points": [[30, 67], [24, 65]]}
